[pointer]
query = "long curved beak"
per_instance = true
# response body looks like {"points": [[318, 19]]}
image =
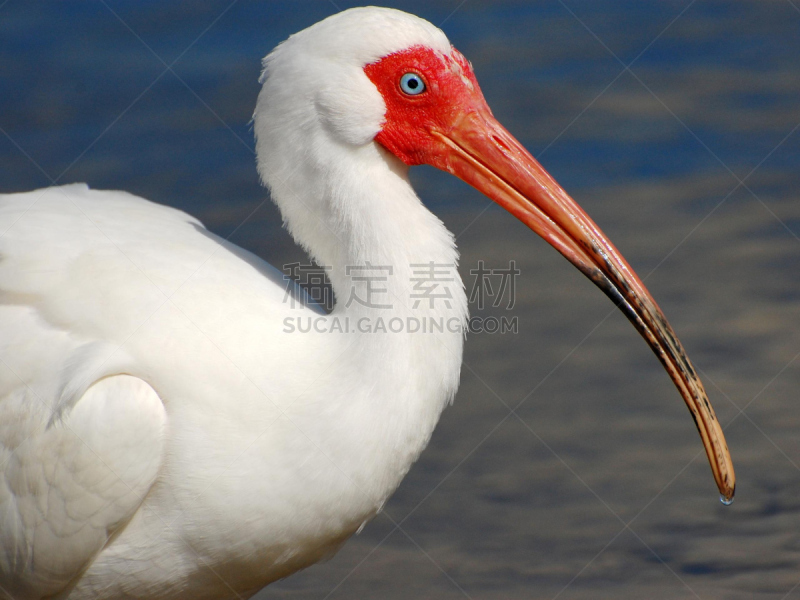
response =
{"points": [[478, 150]]}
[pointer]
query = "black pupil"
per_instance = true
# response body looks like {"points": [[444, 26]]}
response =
{"points": [[413, 83]]}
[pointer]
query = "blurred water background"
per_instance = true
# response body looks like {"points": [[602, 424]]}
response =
{"points": [[595, 486]]}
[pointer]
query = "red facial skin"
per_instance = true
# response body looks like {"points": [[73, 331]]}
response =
{"points": [[450, 126], [410, 119]]}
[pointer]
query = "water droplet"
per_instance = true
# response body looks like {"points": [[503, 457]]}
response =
{"points": [[725, 501]]}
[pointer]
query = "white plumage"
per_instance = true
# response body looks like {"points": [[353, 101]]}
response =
{"points": [[162, 433], [267, 449]]}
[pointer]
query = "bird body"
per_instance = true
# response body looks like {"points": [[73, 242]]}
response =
{"points": [[275, 450], [169, 428]]}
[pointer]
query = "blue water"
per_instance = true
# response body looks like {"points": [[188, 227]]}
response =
{"points": [[534, 505]]}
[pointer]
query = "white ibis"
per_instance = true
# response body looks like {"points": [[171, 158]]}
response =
{"points": [[166, 430]]}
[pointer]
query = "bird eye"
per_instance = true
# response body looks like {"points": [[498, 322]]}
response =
{"points": [[412, 84]]}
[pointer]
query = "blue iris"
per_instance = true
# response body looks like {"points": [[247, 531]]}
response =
{"points": [[412, 84]]}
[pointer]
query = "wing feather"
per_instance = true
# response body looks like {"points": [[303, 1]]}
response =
{"points": [[67, 488]]}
